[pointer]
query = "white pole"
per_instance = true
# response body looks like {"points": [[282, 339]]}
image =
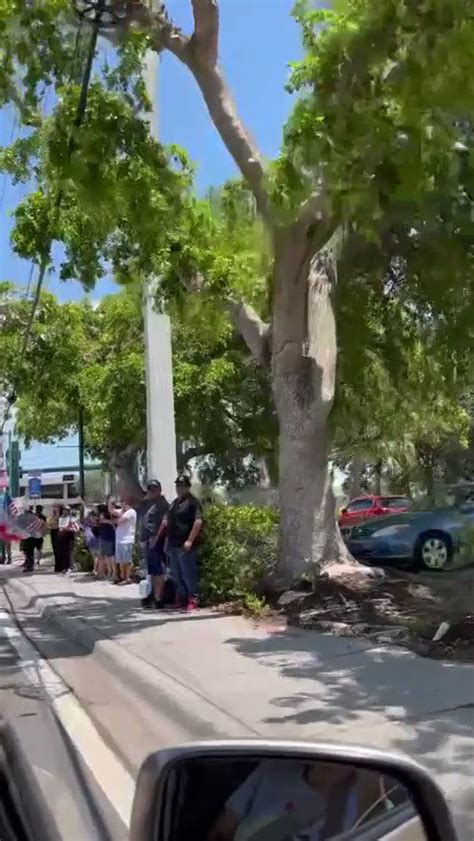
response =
{"points": [[161, 435]]}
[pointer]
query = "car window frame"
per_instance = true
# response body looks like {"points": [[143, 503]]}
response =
{"points": [[369, 500]]}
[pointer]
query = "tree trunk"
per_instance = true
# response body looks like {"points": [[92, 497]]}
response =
{"points": [[378, 477], [124, 466], [356, 472], [304, 373], [309, 535]]}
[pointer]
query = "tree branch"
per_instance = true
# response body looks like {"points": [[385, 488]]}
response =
{"points": [[200, 54], [236, 139], [254, 331], [206, 28], [147, 15]]}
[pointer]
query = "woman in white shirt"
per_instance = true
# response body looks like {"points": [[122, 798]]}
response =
{"points": [[126, 520]]}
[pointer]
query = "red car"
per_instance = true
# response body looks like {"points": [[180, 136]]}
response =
{"points": [[366, 507]]}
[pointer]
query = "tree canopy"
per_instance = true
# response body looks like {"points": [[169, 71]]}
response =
{"points": [[346, 264], [92, 357]]}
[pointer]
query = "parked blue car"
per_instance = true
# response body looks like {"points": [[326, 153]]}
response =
{"points": [[418, 539]]}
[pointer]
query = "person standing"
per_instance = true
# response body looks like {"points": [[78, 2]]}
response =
{"points": [[91, 538], [64, 541], [152, 538], [106, 543], [53, 525], [28, 547], [38, 541], [183, 525], [126, 523]]}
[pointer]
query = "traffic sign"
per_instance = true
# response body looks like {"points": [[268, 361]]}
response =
{"points": [[34, 487]]}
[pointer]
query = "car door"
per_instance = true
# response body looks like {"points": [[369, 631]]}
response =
{"points": [[394, 504]]}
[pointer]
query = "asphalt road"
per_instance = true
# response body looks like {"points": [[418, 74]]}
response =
{"points": [[79, 805]]}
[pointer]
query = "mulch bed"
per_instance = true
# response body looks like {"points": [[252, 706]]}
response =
{"points": [[400, 609]]}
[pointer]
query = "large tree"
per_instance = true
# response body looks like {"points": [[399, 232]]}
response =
{"points": [[365, 215], [370, 173]]}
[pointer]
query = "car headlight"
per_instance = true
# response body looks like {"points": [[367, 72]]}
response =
{"points": [[391, 531]]}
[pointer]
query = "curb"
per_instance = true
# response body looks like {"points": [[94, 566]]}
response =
{"points": [[180, 704]]}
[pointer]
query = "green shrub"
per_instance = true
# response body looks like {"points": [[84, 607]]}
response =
{"points": [[239, 547]]}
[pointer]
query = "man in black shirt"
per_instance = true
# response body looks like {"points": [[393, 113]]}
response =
{"points": [[151, 514], [183, 529]]}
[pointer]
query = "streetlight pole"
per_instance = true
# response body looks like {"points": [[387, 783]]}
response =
{"points": [[161, 433]]}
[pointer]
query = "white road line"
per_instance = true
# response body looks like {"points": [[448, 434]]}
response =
{"points": [[112, 777]]}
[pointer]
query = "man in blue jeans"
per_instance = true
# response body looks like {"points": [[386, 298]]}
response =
{"points": [[183, 524], [151, 530]]}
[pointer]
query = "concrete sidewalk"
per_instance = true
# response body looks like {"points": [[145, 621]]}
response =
{"points": [[211, 675]]}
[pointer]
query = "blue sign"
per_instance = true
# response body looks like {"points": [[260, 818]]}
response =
{"points": [[34, 487]]}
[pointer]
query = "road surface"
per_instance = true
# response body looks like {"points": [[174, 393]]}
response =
{"points": [[144, 680], [65, 750]]}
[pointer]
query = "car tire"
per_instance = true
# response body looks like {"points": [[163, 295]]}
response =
{"points": [[434, 551]]}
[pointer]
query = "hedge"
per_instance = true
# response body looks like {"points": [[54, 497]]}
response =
{"points": [[239, 547]]}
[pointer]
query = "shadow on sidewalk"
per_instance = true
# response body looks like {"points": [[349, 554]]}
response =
{"points": [[433, 700], [97, 617]]}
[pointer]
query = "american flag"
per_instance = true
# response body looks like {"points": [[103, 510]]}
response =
{"points": [[34, 525], [13, 509], [10, 507]]}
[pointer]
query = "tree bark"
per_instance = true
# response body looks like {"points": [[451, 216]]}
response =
{"points": [[304, 376], [378, 476], [356, 472], [124, 465]]}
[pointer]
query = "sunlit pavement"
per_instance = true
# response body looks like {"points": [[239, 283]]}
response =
{"points": [[151, 679]]}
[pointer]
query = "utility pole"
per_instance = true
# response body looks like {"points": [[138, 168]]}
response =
{"points": [[82, 474], [161, 433]]}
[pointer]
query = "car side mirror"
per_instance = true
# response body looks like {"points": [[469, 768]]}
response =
{"points": [[272, 791], [344, 510]]}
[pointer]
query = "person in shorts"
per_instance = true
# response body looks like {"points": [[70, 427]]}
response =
{"points": [[106, 563], [91, 538], [152, 539], [126, 522]]}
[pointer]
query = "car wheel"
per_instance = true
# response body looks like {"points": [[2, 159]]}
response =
{"points": [[434, 551]]}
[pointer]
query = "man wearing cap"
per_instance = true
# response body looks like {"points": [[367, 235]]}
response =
{"points": [[183, 529], [152, 537]]}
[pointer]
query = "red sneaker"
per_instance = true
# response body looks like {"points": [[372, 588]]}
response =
{"points": [[193, 604]]}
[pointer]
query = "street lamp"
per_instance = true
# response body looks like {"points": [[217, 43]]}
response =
{"points": [[105, 14]]}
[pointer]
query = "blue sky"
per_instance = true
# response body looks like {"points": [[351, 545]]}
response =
{"points": [[258, 40]]}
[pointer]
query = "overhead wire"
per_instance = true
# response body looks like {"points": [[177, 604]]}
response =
{"points": [[80, 113]]}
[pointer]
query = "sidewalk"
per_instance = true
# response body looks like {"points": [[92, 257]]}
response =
{"points": [[212, 675]]}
